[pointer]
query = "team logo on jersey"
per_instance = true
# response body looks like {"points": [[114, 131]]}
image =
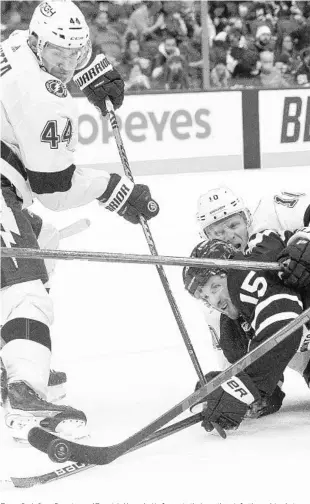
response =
{"points": [[57, 88]]}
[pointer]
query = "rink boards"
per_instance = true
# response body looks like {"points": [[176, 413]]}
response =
{"points": [[201, 131]]}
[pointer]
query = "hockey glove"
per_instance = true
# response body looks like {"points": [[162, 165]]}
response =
{"points": [[128, 199], [228, 404], [100, 81], [295, 259], [267, 404]]}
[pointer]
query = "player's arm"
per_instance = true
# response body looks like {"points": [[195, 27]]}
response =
{"points": [[48, 154], [273, 312], [268, 243], [292, 249], [235, 341]]}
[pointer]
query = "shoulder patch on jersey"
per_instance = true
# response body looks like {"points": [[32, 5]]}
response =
{"points": [[288, 199], [57, 88]]}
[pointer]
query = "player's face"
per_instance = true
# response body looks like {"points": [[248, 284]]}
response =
{"points": [[215, 294], [233, 230], [60, 62]]}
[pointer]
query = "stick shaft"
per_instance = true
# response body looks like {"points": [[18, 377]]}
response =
{"points": [[152, 247], [117, 257]]}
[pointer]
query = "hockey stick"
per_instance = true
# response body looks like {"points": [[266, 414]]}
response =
{"points": [[117, 257], [151, 243], [63, 472], [74, 228], [61, 450]]}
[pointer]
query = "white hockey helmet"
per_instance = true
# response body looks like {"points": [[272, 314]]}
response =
{"points": [[218, 204], [61, 23]]}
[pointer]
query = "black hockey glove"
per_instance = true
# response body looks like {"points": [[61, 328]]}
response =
{"points": [[99, 81], [267, 404], [295, 259], [228, 404], [128, 199]]}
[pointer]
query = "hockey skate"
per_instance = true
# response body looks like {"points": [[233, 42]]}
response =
{"points": [[25, 409], [56, 385]]}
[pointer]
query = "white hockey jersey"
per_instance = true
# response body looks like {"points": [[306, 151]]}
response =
{"points": [[39, 124], [282, 210]]}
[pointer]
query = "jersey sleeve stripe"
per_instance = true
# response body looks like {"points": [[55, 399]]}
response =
{"points": [[275, 298], [51, 182], [278, 317]]}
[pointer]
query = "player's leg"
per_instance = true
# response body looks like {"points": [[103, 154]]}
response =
{"points": [[27, 313], [48, 238]]}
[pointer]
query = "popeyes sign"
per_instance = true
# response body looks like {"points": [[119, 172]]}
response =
{"points": [[164, 126], [139, 126]]}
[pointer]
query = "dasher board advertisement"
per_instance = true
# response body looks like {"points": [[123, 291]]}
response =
{"points": [[174, 133], [284, 127]]}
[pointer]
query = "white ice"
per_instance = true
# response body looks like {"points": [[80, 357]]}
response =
{"points": [[116, 337]]}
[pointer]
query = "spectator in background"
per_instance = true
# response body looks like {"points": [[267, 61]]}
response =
{"points": [[303, 72], [241, 60], [286, 23], [220, 76], [89, 9], [137, 81], [219, 13], [133, 55], [105, 38], [269, 76], [261, 18], [287, 53], [132, 31], [243, 10], [282, 63], [191, 48], [302, 33], [166, 49], [118, 15], [263, 40], [175, 25], [147, 22], [175, 73]]}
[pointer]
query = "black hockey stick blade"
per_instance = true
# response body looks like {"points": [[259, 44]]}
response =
{"points": [[75, 467], [61, 450]]}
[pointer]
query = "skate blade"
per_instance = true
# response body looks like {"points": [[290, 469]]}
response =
{"points": [[73, 430], [20, 425]]}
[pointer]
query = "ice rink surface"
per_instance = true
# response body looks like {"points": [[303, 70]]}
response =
{"points": [[116, 337]]}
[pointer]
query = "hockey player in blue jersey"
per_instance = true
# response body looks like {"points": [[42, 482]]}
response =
{"points": [[257, 305]]}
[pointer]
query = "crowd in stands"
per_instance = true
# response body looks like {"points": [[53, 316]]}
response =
{"points": [[157, 45]]}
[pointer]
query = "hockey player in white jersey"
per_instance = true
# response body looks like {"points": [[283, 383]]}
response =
{"points": [[223, 215], [39, 133]]}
